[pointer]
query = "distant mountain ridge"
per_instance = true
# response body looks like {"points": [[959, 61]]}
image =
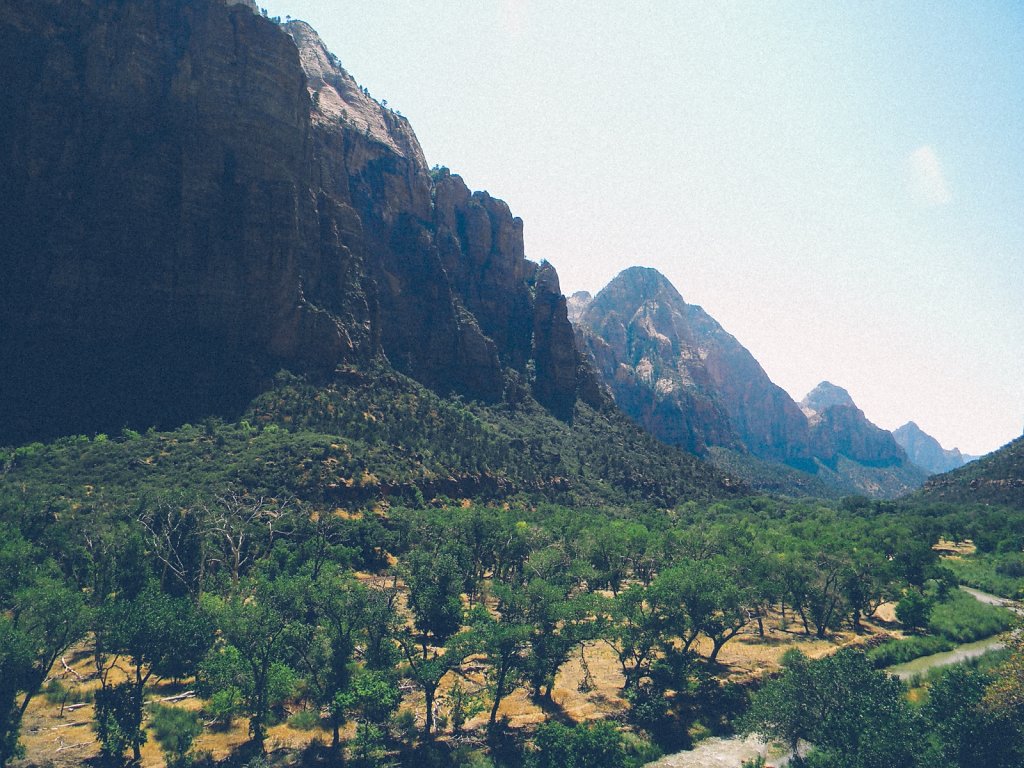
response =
{"points": [[925, 451], [675, 371]]}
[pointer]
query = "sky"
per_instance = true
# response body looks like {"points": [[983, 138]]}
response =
{"points": [[840, 185]]}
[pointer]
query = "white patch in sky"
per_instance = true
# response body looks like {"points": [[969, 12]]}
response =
{"points": [[927, 182], [512, 16]]}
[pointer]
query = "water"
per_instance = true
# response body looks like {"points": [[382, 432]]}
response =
{"points": [[960, 653]]}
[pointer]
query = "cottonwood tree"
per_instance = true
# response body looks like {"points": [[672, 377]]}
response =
{"points": [[259, 638], [434, 583], [150, 635], [854, 715]]}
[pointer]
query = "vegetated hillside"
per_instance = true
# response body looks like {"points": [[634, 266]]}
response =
{"points": [[370, 434], [195, 197], [843, 477], [996, 478], [675, 371]]}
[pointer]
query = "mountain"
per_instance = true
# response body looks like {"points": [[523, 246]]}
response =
{"points": [[925, 451], [824, 396], [196, 197], [995, 478], [676, 372], [576, 304], [839, 428]]}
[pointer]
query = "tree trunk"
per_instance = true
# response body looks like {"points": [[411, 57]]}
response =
{"points": [[428, 721], [499, 694]]}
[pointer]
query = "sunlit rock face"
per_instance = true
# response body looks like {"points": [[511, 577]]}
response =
{"points": [[680, 375], [675, 371]]}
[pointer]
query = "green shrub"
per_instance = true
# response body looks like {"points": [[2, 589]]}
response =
{"points": [[224, 706], [305, 720], [910, 648], [963, 619], [175, 729]]}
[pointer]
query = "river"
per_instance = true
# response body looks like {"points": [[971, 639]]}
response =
{"points": [[733, 751]]}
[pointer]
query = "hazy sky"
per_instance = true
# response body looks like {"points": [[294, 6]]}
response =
{"points": [[841, 185]]}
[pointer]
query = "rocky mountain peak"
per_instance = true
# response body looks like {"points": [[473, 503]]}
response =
{"points": [[825, 395], [577, 304], [637, 287], [679, 374]]}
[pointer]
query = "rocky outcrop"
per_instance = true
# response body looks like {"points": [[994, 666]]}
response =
{"points": [[825, 396], [576, 304], [926, 452], [195, 197], [995, 478]]}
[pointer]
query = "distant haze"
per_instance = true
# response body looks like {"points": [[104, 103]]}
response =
{"points": [[840, 185]]}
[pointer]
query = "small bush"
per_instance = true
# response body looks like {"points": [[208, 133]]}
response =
{"points": [[305, 720], [908, 649], [224, 705], [175, 729]]}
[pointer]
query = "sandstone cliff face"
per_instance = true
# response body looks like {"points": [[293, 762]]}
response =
{"points": [[193, 200], [162, 248]]}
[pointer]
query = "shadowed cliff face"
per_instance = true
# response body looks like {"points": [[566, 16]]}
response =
{"points": [[192, 203]]}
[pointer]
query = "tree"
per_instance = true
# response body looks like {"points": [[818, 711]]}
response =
{"points": [[47, 616], [16, 666], [175, 729], [434, 581], [966, 732], [1006, 692], [865, 584], [369, 699], [580, 746], [914, 609], [335, 612], [503, 640], [160, 636], [639, 629], [427, 670], [261, 635], [854, 715], [559, 623]]}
